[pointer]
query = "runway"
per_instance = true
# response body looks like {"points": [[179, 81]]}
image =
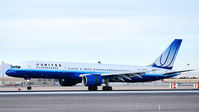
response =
{"points": [[96, 92], [101, 101]]}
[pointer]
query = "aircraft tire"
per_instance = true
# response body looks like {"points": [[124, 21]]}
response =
{"points": [[29, 88], [92, 88], [107, 88]]}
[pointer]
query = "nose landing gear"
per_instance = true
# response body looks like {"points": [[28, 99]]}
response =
{"points": [[29, 88], [28, 84]]}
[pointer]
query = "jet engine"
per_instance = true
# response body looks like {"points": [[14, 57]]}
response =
{"points": [[92, 80]]}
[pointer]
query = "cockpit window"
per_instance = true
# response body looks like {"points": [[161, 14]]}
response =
{"points": [[18, 67]]}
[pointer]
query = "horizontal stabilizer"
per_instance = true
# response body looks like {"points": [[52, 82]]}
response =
{"points": [[177, 72]]}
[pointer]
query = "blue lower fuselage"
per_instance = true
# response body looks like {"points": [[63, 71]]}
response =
{"points": [[75, 75]]}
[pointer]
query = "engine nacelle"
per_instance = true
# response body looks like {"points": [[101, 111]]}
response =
{"points": [[67, 82], [92, 80]]}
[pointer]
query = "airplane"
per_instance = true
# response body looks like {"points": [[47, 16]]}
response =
{"points": [[94, 75]]}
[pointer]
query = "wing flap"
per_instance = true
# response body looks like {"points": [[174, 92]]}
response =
{"points": [[121, 76], [123, 73]]}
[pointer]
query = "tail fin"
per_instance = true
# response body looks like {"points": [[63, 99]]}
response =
{"points": [[167, 58]]}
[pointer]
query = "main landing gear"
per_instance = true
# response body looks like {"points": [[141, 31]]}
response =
{"points": [[92, 88], [106, 87]]}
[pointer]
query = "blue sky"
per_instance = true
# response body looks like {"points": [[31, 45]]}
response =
{"points": [[114, 31]]}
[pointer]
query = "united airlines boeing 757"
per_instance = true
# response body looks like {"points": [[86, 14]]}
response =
{"points": [[94, 75]]}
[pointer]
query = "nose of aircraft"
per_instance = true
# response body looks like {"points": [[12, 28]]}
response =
{"points": [[10, 72]]}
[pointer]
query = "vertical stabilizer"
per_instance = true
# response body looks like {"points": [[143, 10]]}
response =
{"points": [[167, 58]]}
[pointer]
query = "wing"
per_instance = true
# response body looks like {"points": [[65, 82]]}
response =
{"points": [[119, 76], [129, 75]]}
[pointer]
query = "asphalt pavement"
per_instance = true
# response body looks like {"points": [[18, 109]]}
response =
{"points": [[115, 101]]}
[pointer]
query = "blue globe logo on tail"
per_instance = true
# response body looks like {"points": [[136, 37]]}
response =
{"points": [[167, 58]]}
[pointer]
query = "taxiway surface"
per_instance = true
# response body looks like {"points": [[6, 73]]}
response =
{"points": [[100, 101]]}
